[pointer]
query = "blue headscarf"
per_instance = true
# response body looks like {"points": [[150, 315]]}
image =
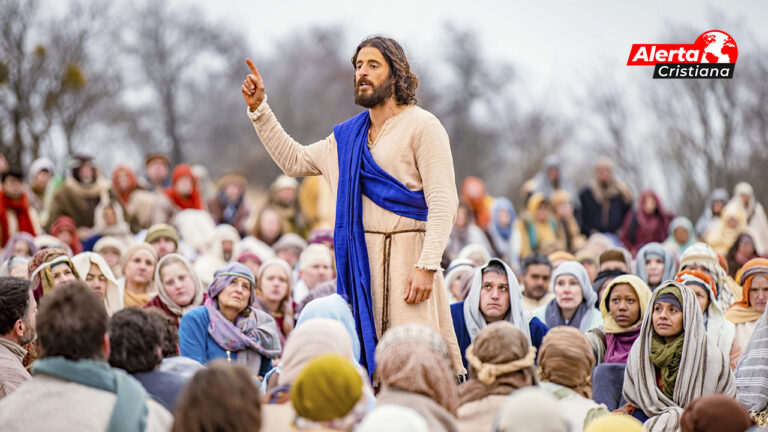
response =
{"points": [[335, 308]]}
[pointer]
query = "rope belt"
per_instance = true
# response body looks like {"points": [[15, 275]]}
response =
{"points": [[385, 265]]}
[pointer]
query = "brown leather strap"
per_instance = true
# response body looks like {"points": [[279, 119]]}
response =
{"points": [[385, 265]]}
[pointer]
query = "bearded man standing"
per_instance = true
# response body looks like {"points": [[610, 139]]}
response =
{"points": [[391, 171]]}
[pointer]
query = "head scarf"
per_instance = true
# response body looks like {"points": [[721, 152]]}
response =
{"points": [[720, 331], [618, 254], [328, 394], [745, 188], [715, 413], [136, 249], [474, 195], [454, 271], [751, 373], [500, 235], [6, 269], [113, 298], [65, 223], [40, 275], [193, 200], [124, 194], [501, 361], [162, 293], [685, 223], [335, 308], [619, 340], [658, 251], [566, 358], [723, 236], [516, 315], [666, 356], [703, 369], [582, 319], [414, 358], [702, 254], [386, 418], [161, 230], [531, 409], [309, 340], [21, 236], [742, 311], [253, 330], [615, 423]]}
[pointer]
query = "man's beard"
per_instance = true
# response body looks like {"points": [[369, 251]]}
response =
{"points": [[377, 96], [29, 335]]}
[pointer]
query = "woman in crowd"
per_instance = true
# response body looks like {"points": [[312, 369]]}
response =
{"points": [[724, 234], [228, 326], [501, 361], [138, 268], [48, 268], [655, 264], [112, 250], [646, 223], [95, 272], [453, 278], [745, 313], [536, 230], [754, 213], [109, 220], [574, 302], [269, 226], [671, 364], [565, 367], [21, 244], [65, 230], [740, 253], [501, 227], [701, 257], [720, 331], [336, 308], [235, 408], [273, 287], [681, 235], [415, 371], [464, 233], [178, 288], [711, 215]]}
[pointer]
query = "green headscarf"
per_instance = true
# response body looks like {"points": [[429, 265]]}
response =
{"points": [[666, 356]]}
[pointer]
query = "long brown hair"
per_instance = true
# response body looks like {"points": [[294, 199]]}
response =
{"points": [[405, 81]]}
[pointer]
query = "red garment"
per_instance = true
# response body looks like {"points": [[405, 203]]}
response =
{"points": [[124, 194], [474, 195], [21, 207], [157, 303], [193, 201], [65, 223], [640, 228]]}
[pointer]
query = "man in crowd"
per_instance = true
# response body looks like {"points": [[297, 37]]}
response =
{"points": [[395, 191], [136, 347], [18, 310], [605, 202], [72, 384], [315, 267], [493, 296], [163, 238], [536, 272], [16, 213], [157, 170]]}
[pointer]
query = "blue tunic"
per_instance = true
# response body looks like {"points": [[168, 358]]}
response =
{"points": [[196, 343], [537, 328]]}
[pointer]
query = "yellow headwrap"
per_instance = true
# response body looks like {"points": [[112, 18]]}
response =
{"points": [[643, 296], [327, 388]]}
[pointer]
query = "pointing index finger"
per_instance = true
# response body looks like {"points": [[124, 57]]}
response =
{"points": [[253, 67]]}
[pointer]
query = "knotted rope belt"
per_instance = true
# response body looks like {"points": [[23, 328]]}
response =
{"points": [[385, 264]]}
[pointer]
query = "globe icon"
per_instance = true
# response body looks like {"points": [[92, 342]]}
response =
{"points": [[717, 47]]}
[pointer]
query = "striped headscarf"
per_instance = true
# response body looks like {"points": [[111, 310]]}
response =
{"points": [[719, 330], [752, 373], [703, 368], [742, 311]]}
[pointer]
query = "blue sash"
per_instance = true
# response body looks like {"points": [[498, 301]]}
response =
{"points": [[358, 175]]}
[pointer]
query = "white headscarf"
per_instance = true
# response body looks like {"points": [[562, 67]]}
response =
{"points": [[517, 315], [113, 298], [162, 293]]}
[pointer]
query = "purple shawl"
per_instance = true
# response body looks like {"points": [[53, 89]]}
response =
{"points": [[617, 345], [256, 330]]}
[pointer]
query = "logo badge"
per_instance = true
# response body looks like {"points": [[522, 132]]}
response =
{"points": [[712, 56]]}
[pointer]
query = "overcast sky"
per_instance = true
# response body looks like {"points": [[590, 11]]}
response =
{"points": [[553, 44]]}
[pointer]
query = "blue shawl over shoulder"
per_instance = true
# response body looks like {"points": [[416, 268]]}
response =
{"points": [[358, 175]]}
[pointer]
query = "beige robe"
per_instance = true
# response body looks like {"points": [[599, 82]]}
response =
{"points": [[414, 148]]}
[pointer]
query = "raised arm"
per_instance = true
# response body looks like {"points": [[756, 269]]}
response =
{"points": [[294, 159]]}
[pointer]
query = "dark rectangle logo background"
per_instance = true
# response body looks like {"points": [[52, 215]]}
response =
{"points": [[693, 70]]}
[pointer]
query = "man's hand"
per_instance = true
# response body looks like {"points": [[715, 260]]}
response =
{"points": [[419, 286], [253, 87]]}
